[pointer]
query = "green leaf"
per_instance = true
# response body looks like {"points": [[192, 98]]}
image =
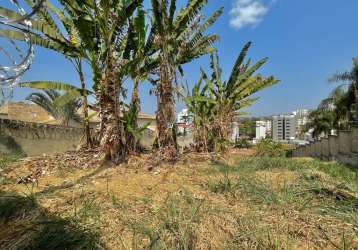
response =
{"points": [[66, 98]]}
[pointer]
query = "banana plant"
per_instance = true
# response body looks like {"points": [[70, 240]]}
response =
{"points": [[130, 118], [103, 28], [218, 103], [143, 61], [179, 36], [71, 92], [96, 31]]}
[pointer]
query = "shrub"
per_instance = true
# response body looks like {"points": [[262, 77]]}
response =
{"points": [[242, 143], [267, 147]]}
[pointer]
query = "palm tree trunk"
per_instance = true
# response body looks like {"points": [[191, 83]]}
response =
{"points": [[86, 125], [165, 115], [111, 134]]}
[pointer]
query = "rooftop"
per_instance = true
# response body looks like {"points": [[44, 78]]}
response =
{"points": [[24, 111], [29, 112]]}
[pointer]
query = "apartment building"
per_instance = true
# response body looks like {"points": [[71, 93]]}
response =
{"points": [[284, 127], [261, 130]]}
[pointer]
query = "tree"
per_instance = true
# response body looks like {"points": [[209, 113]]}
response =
{"points": [[340, 102], [98, 32], [333, 112], [48, 101], [59, 99], [248, 128], [321, 121], [103, 30], [179, 39], [219, 103], [351, 100]]}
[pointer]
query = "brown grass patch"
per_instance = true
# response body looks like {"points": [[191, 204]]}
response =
{"points": [[131, 204]]}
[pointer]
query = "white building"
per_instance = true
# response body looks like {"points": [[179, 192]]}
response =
{"points": [[183, 116], [183, 121], [261, 130], [284, 127], [301, 116], [269, 128], [235, 134], [301, 121]]}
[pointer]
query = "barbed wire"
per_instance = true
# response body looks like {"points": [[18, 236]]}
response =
{"points": [[15, 57]]}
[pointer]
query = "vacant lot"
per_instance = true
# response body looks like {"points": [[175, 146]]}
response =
{"points": [[240, 202]]}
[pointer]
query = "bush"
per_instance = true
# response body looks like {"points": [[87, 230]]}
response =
{"points": [[242, 143], [267, 147]]}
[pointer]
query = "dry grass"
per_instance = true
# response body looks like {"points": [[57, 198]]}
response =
{"points": [[201, 202]]}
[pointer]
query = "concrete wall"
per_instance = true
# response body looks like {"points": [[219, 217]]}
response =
{"points": [[343, 147], [355, 140], [345, 142], [333, 146], [37, 139], [325, 149]]}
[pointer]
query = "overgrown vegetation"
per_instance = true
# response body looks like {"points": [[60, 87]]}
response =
{"points": [[242, 143], [216, 104], [261, 202], [292, 186], [173, 226], [269, 148], [247, 202]]}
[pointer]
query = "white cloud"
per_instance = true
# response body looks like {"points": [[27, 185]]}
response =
{"points": [[247, 13]]}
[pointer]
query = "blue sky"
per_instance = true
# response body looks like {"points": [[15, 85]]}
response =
{"points": [[306, 41]]}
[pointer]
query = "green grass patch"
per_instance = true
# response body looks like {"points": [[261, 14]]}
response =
{"points": [[253, 164], [172, 226], [341, 172], [251, 233], [334, 169], [323, 188], [7, 158]]}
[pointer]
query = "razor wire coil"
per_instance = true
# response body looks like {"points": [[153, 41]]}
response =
{"points": [[15, 57]]}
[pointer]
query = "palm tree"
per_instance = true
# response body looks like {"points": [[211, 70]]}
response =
{"points": [[179, 39], [219, 103], [48, 101], [322, 121], [333, 112], [340, 102], [352, 78]]}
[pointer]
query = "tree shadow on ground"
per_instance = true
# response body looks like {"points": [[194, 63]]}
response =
{"points": [[24, 224], [10, 144], [80, 180]]}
